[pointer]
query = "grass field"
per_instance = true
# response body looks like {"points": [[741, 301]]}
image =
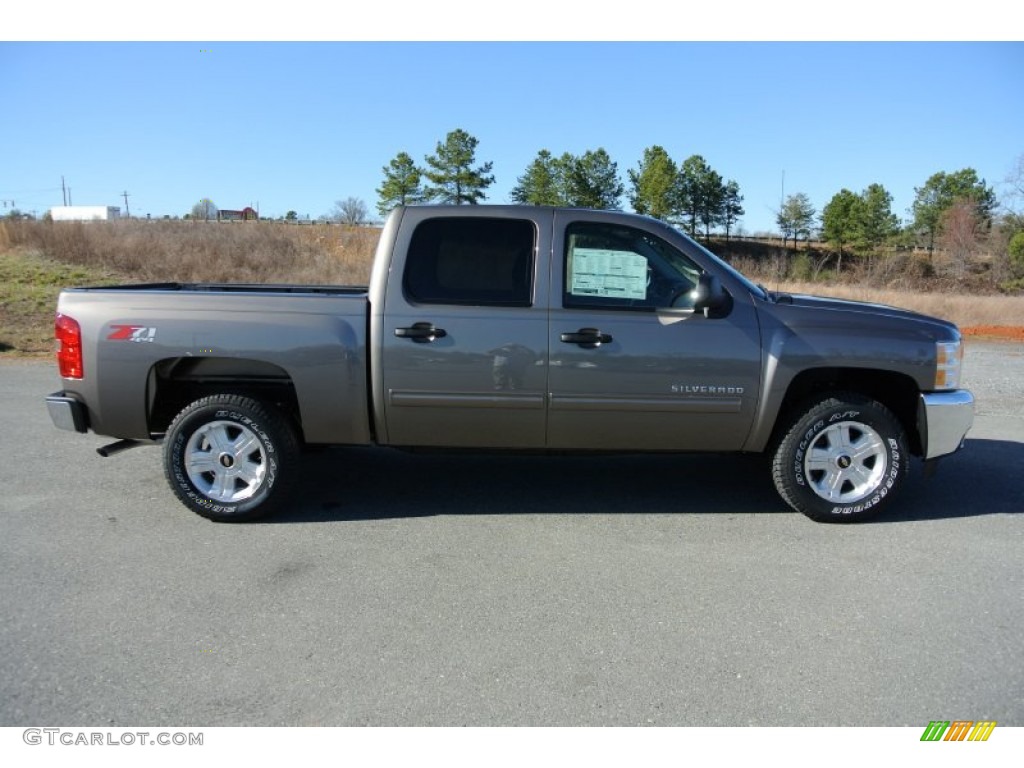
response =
{"points": [[37, 259], [29, 284]]}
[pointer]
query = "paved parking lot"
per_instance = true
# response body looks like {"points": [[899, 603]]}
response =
{"points": [[447, 590]]}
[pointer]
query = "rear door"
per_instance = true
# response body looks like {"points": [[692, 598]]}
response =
{"points": [[627, 371], [465, 329]]}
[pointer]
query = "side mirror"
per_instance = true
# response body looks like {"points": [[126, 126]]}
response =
{"points": [[710, 297]]}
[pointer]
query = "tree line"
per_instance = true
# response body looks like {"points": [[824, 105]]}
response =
{"points": [[956, 211], [690, 194]]}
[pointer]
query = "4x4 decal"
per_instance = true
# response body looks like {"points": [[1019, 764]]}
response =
{"points": [[132, 333]]}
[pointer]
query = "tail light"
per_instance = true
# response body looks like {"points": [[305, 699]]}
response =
{"points": [[69, 346]]}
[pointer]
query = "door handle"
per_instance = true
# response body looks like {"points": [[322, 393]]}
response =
{"points": [[588, 338], [421, 333]]}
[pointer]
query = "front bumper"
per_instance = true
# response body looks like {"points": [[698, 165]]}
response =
{"points": [[943, 419], [67, 413]]}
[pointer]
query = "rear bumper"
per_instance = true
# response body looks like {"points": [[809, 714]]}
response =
{"points": [[67, 413], [943, 420]]}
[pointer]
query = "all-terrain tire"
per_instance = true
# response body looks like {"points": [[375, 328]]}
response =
{"points": [[230, 458], [842, 458]]}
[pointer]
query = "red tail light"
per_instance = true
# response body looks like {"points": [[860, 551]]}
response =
{"points": [[69, 347]]}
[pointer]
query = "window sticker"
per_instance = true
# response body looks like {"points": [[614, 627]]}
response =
{"points": [[608, 273]]}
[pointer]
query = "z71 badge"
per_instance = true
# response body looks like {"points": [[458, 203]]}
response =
{"points": [[132, 333]]}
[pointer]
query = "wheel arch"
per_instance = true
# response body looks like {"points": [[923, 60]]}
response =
{"points": [[174, 383], [896, 391]]}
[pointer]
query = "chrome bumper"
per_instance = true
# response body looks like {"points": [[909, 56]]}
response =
{"points": [[66, 413], [943, 419]]}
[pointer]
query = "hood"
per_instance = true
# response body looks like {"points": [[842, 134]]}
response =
{"points": [[820, 311]]}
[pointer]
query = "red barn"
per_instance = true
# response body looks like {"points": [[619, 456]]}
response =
{"points": [[246, 214]]}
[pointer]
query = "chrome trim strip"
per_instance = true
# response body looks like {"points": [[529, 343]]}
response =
{"points": [[506, 400], [646, 404]]}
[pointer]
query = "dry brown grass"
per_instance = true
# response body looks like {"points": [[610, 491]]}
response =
{"points": [[237, 252], [40, 256]]}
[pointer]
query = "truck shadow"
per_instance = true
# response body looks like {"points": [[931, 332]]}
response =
{"points": [[985, 478], [338, 484]]}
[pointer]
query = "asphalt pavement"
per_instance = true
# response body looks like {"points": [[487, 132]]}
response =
{"points": [[487, 590]]}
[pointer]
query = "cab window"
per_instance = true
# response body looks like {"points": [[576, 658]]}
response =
{"points": [[471, 260], [619, 267]]}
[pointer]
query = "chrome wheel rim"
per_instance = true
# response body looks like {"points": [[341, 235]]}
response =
{"points": [[225, 461], [846, 462]]}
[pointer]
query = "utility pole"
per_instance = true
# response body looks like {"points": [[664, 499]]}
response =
{"points": [[127, 213], [64, 190]]}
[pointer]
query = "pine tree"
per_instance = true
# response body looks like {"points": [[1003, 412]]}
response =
{"points": [[879, 223], [842, 221], [592, 180], [451, 171], [543, 183], [732, 206], [402, 184], [942, 191], [654, 184], [796, 217]]}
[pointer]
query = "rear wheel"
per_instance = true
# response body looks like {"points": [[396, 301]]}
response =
{"points": [[842, 459], [230, 458]]}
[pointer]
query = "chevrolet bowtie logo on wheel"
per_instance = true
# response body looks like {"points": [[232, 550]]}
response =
{"points": [[958, 730]]}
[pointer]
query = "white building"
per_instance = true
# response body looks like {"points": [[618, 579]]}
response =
{"points": [[85, 212]]}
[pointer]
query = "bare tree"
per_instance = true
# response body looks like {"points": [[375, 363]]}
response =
{"points": [[961, 235], [351, 211], [1014, 181], [204, 210]]}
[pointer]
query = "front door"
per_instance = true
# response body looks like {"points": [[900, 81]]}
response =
{"points": [[631, 366]]}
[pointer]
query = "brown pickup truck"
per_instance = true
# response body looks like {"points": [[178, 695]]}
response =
{"points": [[520, 329]]}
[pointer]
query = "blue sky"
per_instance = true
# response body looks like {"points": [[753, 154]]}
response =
{"points": [[300, 125]]}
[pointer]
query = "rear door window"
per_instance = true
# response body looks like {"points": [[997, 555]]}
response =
{"points": [[472, 261]]}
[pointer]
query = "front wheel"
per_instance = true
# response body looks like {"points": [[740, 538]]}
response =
{"points": [[230, 458], [842, 459]]}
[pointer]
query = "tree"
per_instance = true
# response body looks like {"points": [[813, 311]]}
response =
{"points": [[543, 183], [732, 206], [700, 195], [204, 210], [655, 184], [842, 221], [451, 171], [1016, 253], [878, 223], [688, 191], [351, 211], [291, 216], [939, 194], [592, 180], [1015, 181], [796, 217], [710, 201], [960, 234], [402, 184]]}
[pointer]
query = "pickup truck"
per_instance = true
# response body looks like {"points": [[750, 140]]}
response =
{"points": [[513, 328]]}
